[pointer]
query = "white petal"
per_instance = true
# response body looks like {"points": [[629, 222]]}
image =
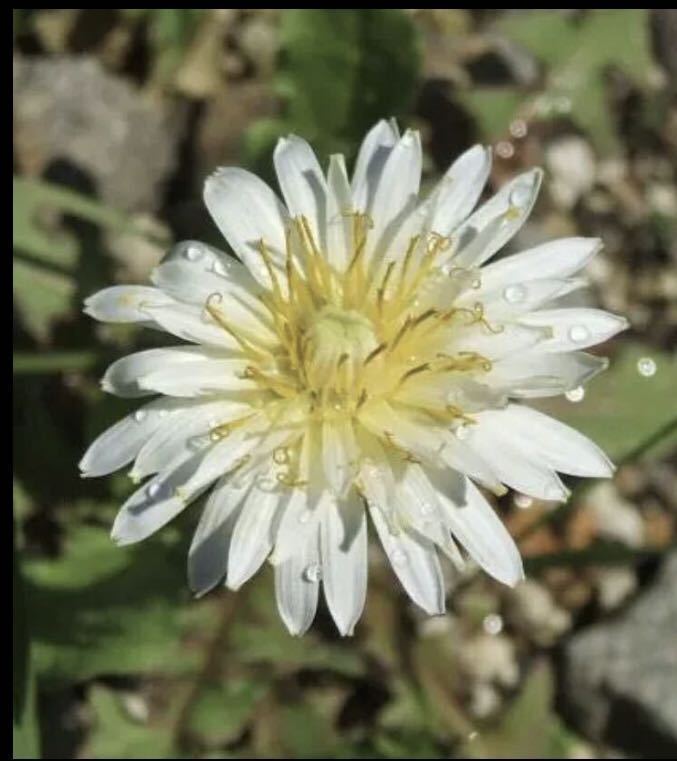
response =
{"points": [[155, 503], [496, 221], [415, 562], [573, 329], [504, 339], [343, 533], [303, 184], [422, 510], [514, 464], [190, 323], [340, 454], [556, 259], [240, 304], [473, 463], [295, 590], [122, 377], [514, 299], [553, 442], [459, 190], [396, 193], [183, 433], [533, 374], [253, 534], [124, 303], [247, 211], [339, 220], [120, 443], [373, 154], [208, 553], [477, 527], [199, 378]]}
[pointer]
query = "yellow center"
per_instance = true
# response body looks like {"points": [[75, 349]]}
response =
{"points": [[350, 338]]}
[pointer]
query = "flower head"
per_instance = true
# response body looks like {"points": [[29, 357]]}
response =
{"points": [[359, 358]]}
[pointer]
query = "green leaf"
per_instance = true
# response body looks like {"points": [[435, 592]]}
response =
{"points": [[222, 710], [530, 728], [115, 734], [340, 71], [622, 408], [25, 731], [101, 609], [46, 256], [576, 54]]}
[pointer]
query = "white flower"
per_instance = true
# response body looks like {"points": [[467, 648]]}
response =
{"points": [[360, 357]]}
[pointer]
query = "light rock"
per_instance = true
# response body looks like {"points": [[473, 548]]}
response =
{"points": [[619, 676], [532, 610], [572, 166]]}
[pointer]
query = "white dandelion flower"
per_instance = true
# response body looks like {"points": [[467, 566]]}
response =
{"points": [[360, 358]]}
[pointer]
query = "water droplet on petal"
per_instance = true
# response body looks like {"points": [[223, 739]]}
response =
{"points": [[579, 333], [154, 489], [520, 195], [576, 394], [426, 509], [492, 624], [305, 516], [312, 573], [163, 413], [220, 268], [462, 432], [515, 294], [646, 367], [140, 416], [193, 253], [523, 501], [215, 436], [399, 557]]}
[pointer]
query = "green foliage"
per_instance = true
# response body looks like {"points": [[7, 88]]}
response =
{"points": [[576, 55], [622, 409], [48, 261], [530, 728], [223, 709], [25, 731], [115, 734], [116, 609], [340, 71]]}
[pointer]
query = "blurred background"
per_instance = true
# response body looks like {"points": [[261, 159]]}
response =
{"points": [[118, 117]]}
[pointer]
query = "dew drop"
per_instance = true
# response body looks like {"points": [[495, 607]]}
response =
{"points": [[163, 413], [220, 268], [492, 624], [515, 294], [140, 416], [215, 436], [579, 333], [312, 573], [399, 557], [462, 432], [193, 253], [426, 509], [505, 149], [646, 367], [154, 489], [523, 501], [576, 394], [520, 195], [305, 516], [518, 128]]}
